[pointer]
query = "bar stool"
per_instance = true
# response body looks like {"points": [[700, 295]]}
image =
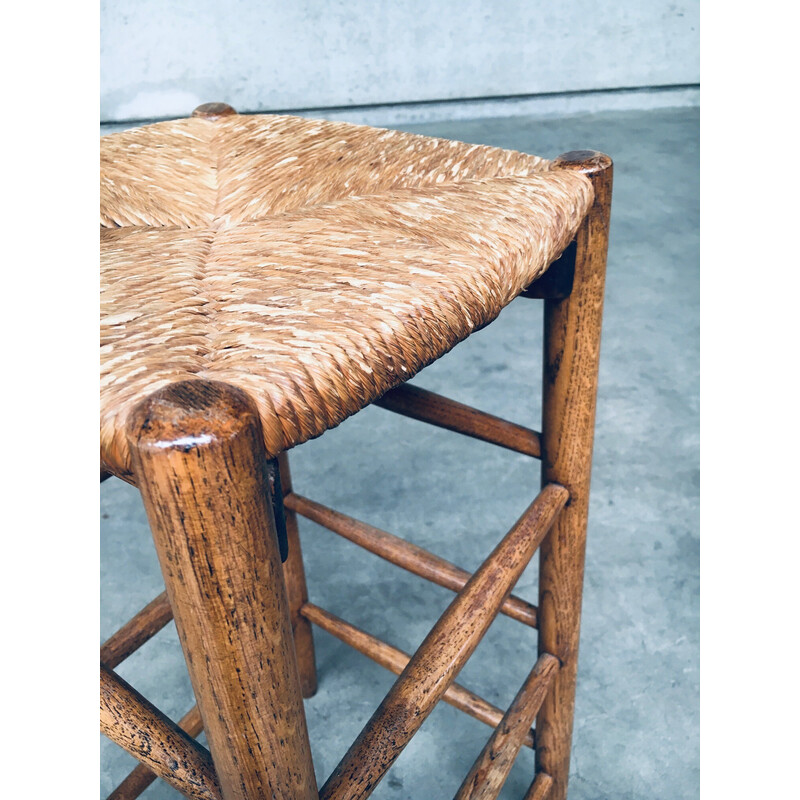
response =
{"points": [[263, 278]]}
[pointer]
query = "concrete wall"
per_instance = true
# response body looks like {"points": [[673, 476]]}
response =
{"points": [[160, 58]]}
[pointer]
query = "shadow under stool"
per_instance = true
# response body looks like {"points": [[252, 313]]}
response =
{"points": [[263, 278]]}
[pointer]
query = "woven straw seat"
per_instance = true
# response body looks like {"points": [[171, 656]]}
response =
{"points": [[313, 264]]}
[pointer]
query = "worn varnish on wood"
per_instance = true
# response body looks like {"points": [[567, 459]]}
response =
{"points": [[133, 723], [571, 359], [490, 770], [200, 465], [442, 654], [141, 776]]}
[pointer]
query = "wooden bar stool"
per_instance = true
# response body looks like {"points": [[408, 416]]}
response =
{"points": [[263, 278]]}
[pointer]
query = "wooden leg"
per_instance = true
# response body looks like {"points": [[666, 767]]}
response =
{"points": [[571, 353], [199, 460], [297, 592]]}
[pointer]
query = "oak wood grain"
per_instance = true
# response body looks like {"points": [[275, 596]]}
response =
{"points": [[571, 358], [442, 654], [136, 725], [199, 459], [485, 779], [396, 661], [141, 776]]}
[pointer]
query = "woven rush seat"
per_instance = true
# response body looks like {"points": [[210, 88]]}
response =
{"points": [[315, 265]]}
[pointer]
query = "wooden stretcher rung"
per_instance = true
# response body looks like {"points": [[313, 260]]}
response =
{"points": [[141, 776], [136, 725], [136, 631], [540, 788], [395, 660], [403, 554], [412, 401], [485, 779], [438, 660]]}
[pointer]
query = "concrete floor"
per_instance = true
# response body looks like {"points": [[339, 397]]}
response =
{"points": [[636, 732]]}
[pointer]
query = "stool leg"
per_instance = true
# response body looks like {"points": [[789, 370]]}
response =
{"points": [[198, 455], [297, 592], [571, 355]]}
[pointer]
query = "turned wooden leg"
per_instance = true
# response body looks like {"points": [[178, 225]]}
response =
{"points": [[571, 353], [198, 456], [296, 590]]}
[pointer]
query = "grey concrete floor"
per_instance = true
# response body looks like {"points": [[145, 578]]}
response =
{"points": [[637, 719]]}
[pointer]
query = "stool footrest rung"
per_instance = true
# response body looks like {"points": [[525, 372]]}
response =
{"points": [[401, 553], [136, 631], [540, 788], [489, 772], [141, 776], [438, 660], [395, 660], [136, 725], [420, 404]]}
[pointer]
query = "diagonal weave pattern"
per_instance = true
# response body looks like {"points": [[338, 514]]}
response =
{"points": [[313, 264]]}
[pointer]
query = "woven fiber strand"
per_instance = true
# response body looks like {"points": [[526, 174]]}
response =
{"points": [[313, 264]]}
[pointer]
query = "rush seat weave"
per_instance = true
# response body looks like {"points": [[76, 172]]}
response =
{"points": [[313, 264]]}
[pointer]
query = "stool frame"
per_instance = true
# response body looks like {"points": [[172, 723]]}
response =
{"points": [[218, 509]]}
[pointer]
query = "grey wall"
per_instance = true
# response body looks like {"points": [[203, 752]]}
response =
{"points": [[161, 58]]}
